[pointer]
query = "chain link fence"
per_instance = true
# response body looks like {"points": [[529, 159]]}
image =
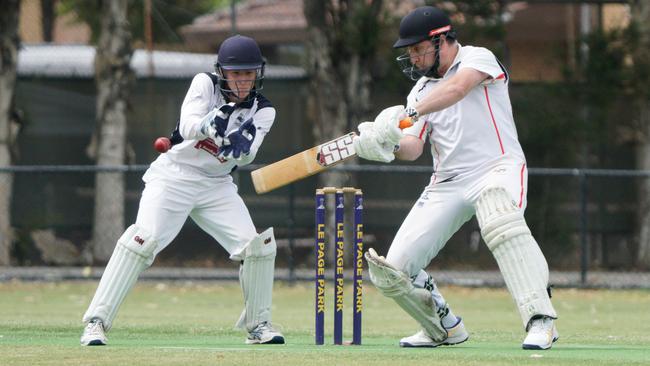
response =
{"points": [[584, 219]]}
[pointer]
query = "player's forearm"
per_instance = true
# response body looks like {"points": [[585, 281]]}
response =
{"points": [[446, 95], [450, 91], [190, 128], [410, 148]]}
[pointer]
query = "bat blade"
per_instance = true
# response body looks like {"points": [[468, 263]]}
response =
{"points": [[303, 164]]}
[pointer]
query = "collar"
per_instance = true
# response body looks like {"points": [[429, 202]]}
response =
{"points": [[456, 59]]}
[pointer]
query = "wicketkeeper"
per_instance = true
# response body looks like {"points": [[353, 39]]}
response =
{"points": [[460, 105], [223, 122]]}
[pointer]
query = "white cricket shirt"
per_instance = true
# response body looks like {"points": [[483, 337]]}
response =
{"points": [[197, 155], [477, 130]]}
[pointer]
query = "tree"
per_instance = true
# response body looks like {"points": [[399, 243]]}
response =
{"points": [[343, 39], [113, 77], [167, 16], [8, 59], [640, 45], [113, 26]]}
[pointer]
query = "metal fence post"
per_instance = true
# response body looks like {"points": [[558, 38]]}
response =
{"points": [[584, 246]]}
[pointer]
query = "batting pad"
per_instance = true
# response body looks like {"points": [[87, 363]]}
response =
{"points": [[417, 302], [132, 255], [256, 279], [522, 263]]}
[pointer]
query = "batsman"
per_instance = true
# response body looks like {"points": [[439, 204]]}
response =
{"points": [[460, 105], [222, 124]]}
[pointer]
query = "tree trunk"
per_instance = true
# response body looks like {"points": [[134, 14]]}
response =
{"points": [[47, 19], [343, 41], [8, 58], [113, 79], [641, 19]]}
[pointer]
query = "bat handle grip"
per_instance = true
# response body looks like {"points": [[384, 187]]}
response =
{"points": [[405, 123]]}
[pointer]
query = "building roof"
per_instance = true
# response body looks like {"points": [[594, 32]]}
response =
{"points": [[267, 21], [77, 61]]}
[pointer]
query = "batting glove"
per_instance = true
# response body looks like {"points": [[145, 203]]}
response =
{"points": [[368, 145], [387, 125]]}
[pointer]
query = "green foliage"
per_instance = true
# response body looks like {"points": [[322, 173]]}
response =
{"points": [[477, 22], [167, 15]]}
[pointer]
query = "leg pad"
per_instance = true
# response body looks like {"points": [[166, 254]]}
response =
{"points": [[522, 263]]}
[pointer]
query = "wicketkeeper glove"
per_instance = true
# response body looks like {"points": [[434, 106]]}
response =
{"points": [[215, 123], [238, 143]]}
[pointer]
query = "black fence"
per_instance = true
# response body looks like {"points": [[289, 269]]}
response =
{"points": [[584, 219]]}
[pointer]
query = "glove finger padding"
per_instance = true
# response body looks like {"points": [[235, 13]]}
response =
{"points": [[215, 123], [239, 141], [368, 147], [387, 125]]}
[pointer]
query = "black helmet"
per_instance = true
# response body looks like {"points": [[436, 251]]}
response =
{"points": [[423, 23], [240, 53]]}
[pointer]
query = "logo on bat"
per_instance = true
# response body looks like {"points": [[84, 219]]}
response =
{"points": [[335, 151]]}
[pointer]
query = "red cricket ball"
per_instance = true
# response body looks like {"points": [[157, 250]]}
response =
{"points": [[162, 144]]}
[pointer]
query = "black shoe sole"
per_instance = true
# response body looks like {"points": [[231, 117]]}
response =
{"points": [[275, 340], [409, 345]]}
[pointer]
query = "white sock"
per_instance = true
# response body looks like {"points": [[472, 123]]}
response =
{"points": [[424, 280], [449, 320]]}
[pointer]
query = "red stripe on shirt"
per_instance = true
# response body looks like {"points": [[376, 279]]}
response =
{"points": [[424, 128], [521, 194], [494, 122]]}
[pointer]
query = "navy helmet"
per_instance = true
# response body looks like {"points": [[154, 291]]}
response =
{"points": [[240, 53], [423, 23]]}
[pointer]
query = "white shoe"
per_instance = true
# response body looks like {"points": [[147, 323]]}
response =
{"points": [[455, 335], [93, 334], [541, 335], [264, 333]]}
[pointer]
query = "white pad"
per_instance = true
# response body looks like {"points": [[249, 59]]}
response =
{"points": [[132, 255], [368, 145], [522, 263], [387, 125], [256, 279], [417, 302]]}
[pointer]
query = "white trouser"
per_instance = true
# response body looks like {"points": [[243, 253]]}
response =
{"points": [[167, 200], [444, 207], [213, 203]]}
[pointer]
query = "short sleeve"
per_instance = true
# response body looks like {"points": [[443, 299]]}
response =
{"points": [[483, 60]]}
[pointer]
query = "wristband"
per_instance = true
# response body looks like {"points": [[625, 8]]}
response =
{"points": [[412, 113]]}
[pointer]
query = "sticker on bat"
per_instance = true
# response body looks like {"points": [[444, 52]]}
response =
{"points": [[335, 151]]}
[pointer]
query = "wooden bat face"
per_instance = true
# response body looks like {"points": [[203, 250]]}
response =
{"points": [[303, 164]]}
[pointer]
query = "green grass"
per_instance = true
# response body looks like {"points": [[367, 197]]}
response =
{"points": [[192, 324]]}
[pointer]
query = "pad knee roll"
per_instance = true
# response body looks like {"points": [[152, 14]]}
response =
{"points": [[522, 263], [133, 253]]}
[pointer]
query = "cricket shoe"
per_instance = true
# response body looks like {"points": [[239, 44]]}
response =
{"points": [[93, 334], [455, 335], [541, 335], [264, 333]]}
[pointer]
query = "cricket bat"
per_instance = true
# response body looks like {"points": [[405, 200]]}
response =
{"points": [[307, 163]]}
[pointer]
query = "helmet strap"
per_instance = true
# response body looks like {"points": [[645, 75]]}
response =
{"points": [[433, 70]]}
